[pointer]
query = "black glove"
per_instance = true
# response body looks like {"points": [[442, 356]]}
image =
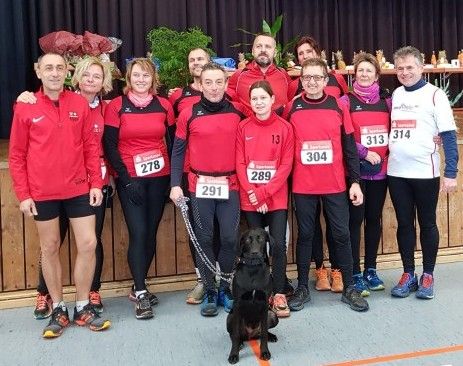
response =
{"points": [[134, 191]]}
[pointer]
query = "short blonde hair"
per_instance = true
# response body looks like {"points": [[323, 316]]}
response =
{"points": [[146, 65], [84, 64]]}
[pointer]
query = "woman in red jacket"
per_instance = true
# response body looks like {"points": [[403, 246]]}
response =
{"points": [[264, 157], [136, 131]]}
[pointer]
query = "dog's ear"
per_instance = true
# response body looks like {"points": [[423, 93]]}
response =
{"points": [[243, 238]]}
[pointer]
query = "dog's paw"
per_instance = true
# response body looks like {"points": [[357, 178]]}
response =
{"points": [[233, 359], [265, 355], [272, 337]]}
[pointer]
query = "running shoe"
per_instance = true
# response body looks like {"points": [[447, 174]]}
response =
{"points": [[143, 308], [280, 306], [153, 298], [322, 283], [336, 281], [360, 285], [426, 287], [300, 297], [225, 299], [58, 321], [373, 281], [195, 296], [209, 304], [88, 317], [43, 306], [408, 283], [95, 300], [352, 297]]}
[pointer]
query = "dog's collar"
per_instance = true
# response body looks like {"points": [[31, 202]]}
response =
{"points": [[251, 261]]}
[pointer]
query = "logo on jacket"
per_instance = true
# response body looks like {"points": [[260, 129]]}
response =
{"points": [[96, 128], [358, 107], [200, 113], [298, 106], [37, 119], [73, 116], [187, 94], [127, 110]]}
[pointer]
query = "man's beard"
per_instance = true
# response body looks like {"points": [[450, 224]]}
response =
{"points": [[263, 62]]}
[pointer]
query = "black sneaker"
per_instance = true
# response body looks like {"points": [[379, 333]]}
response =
{"points": [[88, 317], [354, 299], [300, 297], [143, 308], [289, 289], [59, 320], [153, 298]]}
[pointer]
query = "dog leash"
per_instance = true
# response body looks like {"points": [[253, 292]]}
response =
{"points": [[181, 203]]}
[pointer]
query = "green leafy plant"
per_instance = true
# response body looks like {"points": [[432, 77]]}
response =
{"points": [[170, 49], [445, 87], [282, 55]]}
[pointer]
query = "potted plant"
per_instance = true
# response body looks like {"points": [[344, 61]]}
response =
{"points": [[169, 50]]}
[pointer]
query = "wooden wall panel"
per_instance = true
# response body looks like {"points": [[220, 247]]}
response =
{"points": [[184, 255], [455, 209], [389, 227], [166, 248], [13, 266], [121, 243], [32, 252]]}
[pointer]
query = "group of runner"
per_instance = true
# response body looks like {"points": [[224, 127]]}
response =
{"points": [[233, 145]]}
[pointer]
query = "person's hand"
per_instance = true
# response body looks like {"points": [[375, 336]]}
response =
{"points": [[252, 197], [133, 190], [171, 91], [96, 197], [112, 183], [263, 209], [373, 157], [437, 140], [355, 194], [27, 207], [448, 185], [26, 97], [175, 193]]}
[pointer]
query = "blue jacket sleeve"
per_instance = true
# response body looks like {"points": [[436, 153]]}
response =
{"points": [[449, 141]]}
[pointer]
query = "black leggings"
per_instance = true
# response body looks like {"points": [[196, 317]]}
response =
{"points": [[337, 210], [227, 213], [100, 212], [317, 242], [142, 223], [408, 195], [374, 195], [276, 221]]}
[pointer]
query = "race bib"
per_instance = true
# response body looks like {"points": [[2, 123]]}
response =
{"points": [[103, 168], [212, 187], [373, 136], [402, 130], [260, 172], [148, 163], [317, 152]]}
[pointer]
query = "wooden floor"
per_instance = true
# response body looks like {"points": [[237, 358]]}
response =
{"points": [[173, 266]]}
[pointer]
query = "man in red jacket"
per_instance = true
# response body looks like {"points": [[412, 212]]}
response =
{"points": [[54, 164], [262, 68]]}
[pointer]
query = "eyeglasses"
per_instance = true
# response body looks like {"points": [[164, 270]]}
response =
{"points": [[316, 78]]}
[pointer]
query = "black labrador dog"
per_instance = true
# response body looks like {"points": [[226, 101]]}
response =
{"points": [[252, 287]]}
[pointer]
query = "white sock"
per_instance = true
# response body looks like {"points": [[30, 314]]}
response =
{"points": [[80, 304], [138, 293], [61, 303]]}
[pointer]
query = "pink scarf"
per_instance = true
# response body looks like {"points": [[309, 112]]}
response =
{"points": [[368, 94], [139, 102]]}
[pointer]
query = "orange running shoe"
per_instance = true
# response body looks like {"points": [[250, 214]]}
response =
{"points": [[280, 306], [95, 300], [322, 283], [43, 306], [58, 321], [336, 281], [88, 317]]}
